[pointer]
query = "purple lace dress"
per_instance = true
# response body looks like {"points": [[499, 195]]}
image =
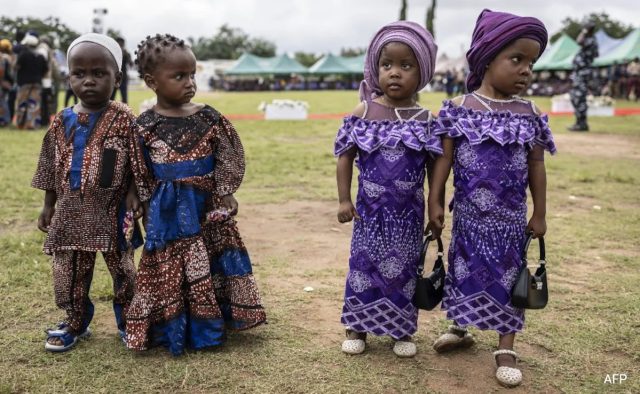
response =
{"points": [[386, 243], [492, 140]]}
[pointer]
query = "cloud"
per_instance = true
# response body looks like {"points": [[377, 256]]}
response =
{"points": [[304, 25]]}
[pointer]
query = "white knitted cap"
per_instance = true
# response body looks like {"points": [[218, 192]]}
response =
{"points": [[105, 41]]}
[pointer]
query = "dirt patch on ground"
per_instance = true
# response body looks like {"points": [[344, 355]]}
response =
{"points": [[315, 247], [598, 145]]}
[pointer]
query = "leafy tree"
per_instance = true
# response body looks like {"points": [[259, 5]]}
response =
{"points": [[230, 43], [49, 26], [431, 15], [350, 52], [261, 47], [613, 28], [403, 10], [113, 33], [306, 59]]}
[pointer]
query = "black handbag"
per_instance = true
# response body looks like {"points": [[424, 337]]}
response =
{"points": [[531, 291], [429, 289]]}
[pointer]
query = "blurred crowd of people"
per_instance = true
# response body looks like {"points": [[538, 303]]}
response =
{"points": [[623, 80], [33, 71], [30, 73]]}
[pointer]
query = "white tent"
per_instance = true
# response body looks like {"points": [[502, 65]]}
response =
{"points": [[444, 63]]}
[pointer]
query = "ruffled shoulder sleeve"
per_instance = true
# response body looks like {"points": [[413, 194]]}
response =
{"points": [[370, 135], [504, 127]]}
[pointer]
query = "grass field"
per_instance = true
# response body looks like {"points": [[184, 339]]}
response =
{"points": [[590, 328]]}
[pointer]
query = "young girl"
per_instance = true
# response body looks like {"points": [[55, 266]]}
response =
{"points": [[495, 142], [85, 169], [195, 275], [388, 133]]}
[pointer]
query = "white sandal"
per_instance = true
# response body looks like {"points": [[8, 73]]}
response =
{"points": [[353, 346], [451, 340], [508, 376], [405, 349]]}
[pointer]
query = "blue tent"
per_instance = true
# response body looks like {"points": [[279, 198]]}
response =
{"points": [[627, 50], [606, 43]]}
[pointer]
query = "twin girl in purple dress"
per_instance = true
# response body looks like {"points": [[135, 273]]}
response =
{"points": [[495, 142]]}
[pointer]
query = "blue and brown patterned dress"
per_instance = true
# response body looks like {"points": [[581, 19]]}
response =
{"points": [[195, 279]]}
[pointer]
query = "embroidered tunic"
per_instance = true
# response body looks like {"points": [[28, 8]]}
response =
{"points": [[86, 160]]}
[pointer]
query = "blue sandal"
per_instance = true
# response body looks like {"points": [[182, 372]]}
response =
{"points": [[68, 340]]}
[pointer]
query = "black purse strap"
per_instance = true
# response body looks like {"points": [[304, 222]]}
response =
{"points": [[425, 245], [526, 248]]}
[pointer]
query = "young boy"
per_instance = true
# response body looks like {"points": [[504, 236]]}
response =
{"points": [[85, 170]]}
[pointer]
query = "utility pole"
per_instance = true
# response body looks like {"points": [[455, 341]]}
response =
{"points": [[98, 20]]}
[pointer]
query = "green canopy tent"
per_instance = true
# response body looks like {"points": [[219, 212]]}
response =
{"points": [[338, 65], [625, 51], [355, 63], [559, 55], [329, 64], [283, 64], [249, 64]]}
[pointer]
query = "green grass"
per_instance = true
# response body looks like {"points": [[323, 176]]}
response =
{"points": [[588, 330]]}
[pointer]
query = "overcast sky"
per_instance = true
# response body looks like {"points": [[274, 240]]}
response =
{"points": [[306, 25]]}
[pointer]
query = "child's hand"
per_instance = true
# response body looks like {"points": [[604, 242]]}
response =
{"points": [[436, 220], [44, 220], [132, 202], [346, 212], [537, 226], [231, 204]]}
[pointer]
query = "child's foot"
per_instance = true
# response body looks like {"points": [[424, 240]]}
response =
{"points": [[455, 337], [61, 340], [507, 373], [405, 347], [355, 342]]}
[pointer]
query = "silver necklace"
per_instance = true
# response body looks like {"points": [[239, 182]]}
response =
{"points": [[398, 109]]}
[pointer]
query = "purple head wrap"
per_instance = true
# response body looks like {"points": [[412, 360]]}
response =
{"points": [[494, 31], [413, 35]]}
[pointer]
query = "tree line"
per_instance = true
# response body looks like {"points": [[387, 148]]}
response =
{"points": [[231, 42]]}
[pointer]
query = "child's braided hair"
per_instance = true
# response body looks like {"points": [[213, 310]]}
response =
{"points": [[152, 50]]}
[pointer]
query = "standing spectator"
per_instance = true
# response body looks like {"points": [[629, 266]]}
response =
{"points": [[449, 83], [126, 62], [582, 75], [30, 69], [633, 75], [45, 49], [6, 80], [613, 76], [17, 48]]}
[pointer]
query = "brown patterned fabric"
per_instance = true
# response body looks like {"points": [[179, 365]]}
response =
{"points": [[214, 134], [86, 219], [72, 275], [169, 282]]}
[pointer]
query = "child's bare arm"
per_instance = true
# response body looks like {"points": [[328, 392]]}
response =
{"points": [[538, 186], [49, 208], [441, 170], [344, 174], [132, 201]]}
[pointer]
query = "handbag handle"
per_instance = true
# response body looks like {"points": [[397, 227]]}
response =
{"points": [[526, 248], [425, 245]]}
